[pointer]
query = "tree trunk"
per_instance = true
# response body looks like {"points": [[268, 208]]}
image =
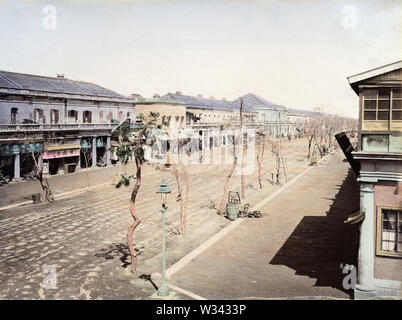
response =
{"points": [[135, 216], [47, 193], [180, 191], [260, 158], [244, 144], [137, 220], [185, 201], [86, 167]]}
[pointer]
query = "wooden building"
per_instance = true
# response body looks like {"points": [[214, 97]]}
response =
{"points": [[379, 155]]}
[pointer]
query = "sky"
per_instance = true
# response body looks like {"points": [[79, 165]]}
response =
{"points": [[294, 53]]}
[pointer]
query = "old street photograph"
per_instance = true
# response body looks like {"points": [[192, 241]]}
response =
{"points": [[171, 150]]}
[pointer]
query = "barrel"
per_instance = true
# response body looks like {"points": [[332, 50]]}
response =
{"points": [[232, 211], [36, 198]]}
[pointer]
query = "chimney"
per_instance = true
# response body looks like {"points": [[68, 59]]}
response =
{"points": [[178, 92], [60, 76], [157, 95]]}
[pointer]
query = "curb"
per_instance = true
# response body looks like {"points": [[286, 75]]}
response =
{"points": [[65, 194]]}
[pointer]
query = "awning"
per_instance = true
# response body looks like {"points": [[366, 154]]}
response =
{"points": [[347, 149], [355, 217], [63, 147], [10, 150]]}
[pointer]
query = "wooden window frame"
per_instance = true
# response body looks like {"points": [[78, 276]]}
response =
{"points": [[392, 99], [379, 250], [54, 116], [377, 110], [14, 113]]}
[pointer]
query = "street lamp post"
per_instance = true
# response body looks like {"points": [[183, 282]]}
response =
{"points": [[163, 191]]}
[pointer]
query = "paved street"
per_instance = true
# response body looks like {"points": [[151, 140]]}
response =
{"points": [[21, 191], [295, 250], [83, 236]]}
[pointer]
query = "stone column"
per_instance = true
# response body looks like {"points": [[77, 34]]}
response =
{"points": [[94, 152], [108, 145], [17, 171], [78, 166], [365, 287]]}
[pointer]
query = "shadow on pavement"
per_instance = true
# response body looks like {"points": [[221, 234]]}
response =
{"points": [[319, 245], [117, 250]]}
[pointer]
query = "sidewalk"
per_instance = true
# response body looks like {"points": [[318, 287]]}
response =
{"points": [[294, 251], [21, 191]]}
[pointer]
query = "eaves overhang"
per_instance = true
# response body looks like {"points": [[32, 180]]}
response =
{"points": [[34, 93], [354, 80]]}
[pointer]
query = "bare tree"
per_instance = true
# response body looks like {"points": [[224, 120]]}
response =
{"points": [[260, 156], [47, 195], [125, 149], [244, 145]]}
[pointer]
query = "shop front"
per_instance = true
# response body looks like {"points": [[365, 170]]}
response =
{"points": [[17, 159], [61, 159]]}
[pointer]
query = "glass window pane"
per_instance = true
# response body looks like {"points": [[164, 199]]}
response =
{"points": [[396, 115], [396, 93], [384, 93], [370, 93], [383, 115], [389, 215], [370, 104], [383, 104], [370, 115], [396, 104]]}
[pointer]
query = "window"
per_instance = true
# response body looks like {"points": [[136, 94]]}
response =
{"points": [[54, 116], [396, 104], [377, 104], [14, 112], [109, 116], [87, 117], [389, 231], [73, 114], [101, 115], [39, 116]]}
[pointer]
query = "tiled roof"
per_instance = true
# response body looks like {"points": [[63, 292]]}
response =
{"points": [[163, 100], [22, 81], [301, 112], [256, 102], [206, 103]]}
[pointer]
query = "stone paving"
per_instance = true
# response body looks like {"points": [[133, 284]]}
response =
{"points": [[294, 251], [83, 237]]}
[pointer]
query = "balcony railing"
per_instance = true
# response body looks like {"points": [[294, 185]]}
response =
{"points": [[56, 127]]}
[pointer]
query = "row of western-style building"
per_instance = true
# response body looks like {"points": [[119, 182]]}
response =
{"points": [[68, 124]]}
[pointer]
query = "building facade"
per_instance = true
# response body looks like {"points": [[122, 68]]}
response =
{"points": [[271, 118], [65, 124], [379, 155], [172, 113], [210, 113], [297, 122]]}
